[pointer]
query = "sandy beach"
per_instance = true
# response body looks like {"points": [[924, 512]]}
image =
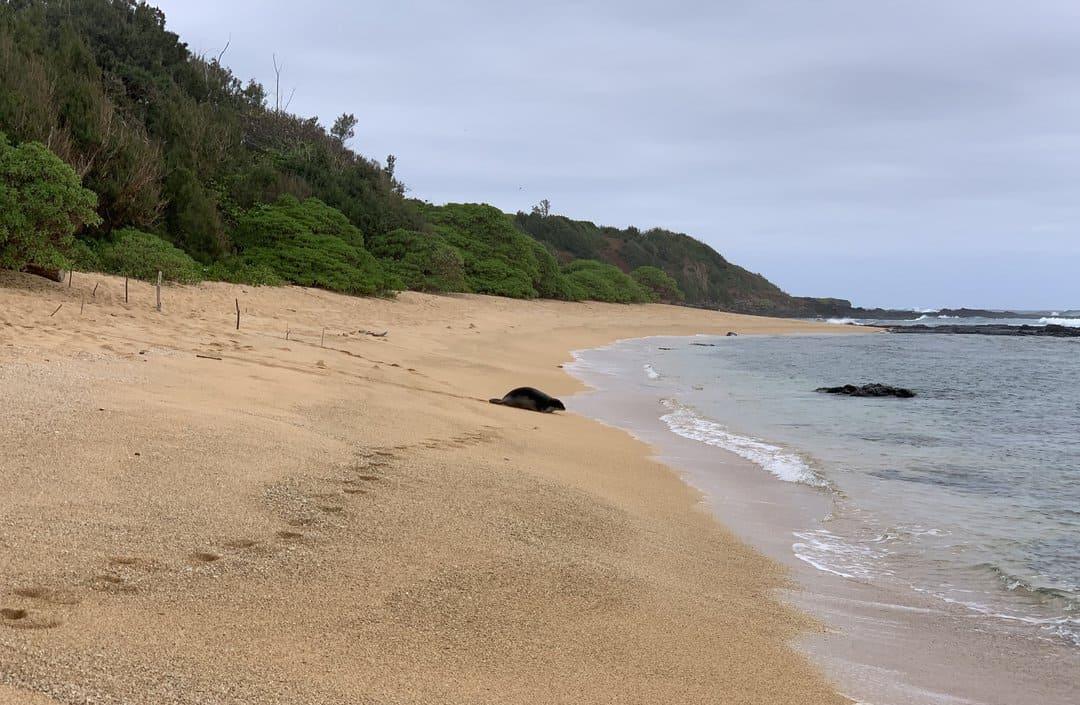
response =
{"points": [[301, 512]]}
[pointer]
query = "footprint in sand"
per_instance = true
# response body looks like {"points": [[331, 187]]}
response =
{"points": [[331, 509], [289, 535], [205, 557], [44, 594], [107, 582], [124, 560], [18, 618]]}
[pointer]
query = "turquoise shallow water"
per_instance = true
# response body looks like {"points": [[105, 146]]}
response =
{"points": [[969, 492]]}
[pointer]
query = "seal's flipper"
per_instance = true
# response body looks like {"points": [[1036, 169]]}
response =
{"points": [[496, 401]]}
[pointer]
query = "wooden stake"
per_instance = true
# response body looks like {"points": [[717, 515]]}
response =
{"points": [[322, 341], [71, 275], [94, 292], [125, 290], [159, 291], [82, 305], [238, 314], [57, 309]]}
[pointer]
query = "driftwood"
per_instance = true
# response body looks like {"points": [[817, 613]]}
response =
{"points": [[56, 275], [372, 333], [207, 357]]}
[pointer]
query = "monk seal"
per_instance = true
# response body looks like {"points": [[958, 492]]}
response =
{"points": [[531, 399]]}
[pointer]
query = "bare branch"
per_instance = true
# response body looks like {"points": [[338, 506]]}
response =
{"points": [[227, 43], [277, 85]]}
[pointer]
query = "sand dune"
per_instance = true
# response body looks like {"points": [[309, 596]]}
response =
{"points": [[331, 517]]}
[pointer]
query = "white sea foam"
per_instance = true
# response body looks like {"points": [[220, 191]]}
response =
{"points": [[651, 372], [927, 317], [835, 554], [1066, 627], [1070, 322], [782, 463], [843, 321]]}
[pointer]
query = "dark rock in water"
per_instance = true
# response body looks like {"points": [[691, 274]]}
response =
{"points": [[704, 345], [732, 334], [868, 390], [1050, 330], [665, 348]]}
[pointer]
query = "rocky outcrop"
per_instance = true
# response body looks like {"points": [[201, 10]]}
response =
{"points": [[868, 390], [1051, 330]]}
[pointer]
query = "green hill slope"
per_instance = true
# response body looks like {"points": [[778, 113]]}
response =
{"points": [[187, 160], [704, 276]]}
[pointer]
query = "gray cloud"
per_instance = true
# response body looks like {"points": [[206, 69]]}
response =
{"points": [[896, 152]]}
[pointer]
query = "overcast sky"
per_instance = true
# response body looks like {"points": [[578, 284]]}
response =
{"points": [[905, 153]]}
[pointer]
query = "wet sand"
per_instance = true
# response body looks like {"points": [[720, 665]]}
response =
{"points": [[301, 512]]}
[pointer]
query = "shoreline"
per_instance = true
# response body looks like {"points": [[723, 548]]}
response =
{"points": [[883, 645], [281, 522]]}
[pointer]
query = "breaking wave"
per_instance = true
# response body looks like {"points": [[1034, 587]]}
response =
{"points": [[781, 462]]}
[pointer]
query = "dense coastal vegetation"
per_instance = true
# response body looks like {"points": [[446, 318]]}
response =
{"points": [[125, 152]]}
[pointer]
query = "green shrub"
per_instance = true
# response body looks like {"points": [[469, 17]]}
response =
{"points": [[596, 281], [658, 283], [550, 282], [133, 253], [83, 257], [310, 244], [421, 262], [499, 259], [42, 205], [237, 270]]}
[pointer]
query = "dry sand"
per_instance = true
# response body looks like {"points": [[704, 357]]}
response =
{"points": [[354, 523]]}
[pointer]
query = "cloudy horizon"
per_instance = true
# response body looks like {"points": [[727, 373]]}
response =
{"points": [[908, 154]]}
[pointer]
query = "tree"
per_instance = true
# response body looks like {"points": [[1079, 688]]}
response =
{"points": [[542, 209], [42, 205], [344, 128], [391, 162]]}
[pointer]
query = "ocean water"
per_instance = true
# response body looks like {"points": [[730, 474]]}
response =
{"points": [[968, 494]]}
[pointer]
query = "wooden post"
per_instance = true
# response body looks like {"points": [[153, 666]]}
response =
{"points": [[125, 289], [238, 314], [94, 292], [287, 331], [159, 291], [322, 340], [83, 304], [57, 309], [71, 275]]}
